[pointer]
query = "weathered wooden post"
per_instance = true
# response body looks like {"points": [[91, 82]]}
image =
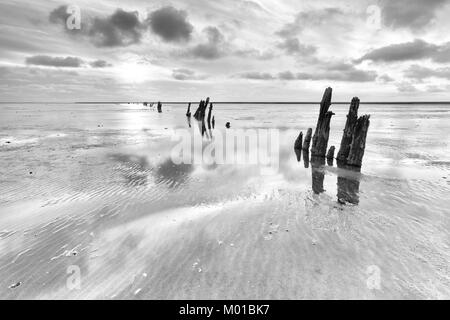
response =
{"points": [[298, 146], [359, 141], [348, 184], [347, 136], [330, 155], [159, 107], [213, 122], [298, 141], [322, 132], [307, 139], [306, 158]]}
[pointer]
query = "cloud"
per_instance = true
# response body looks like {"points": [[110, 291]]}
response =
{"points": [[307, 19], [292, 46], [100, 64], [287, 75], [385, 78], [186, 74], [59, 15], [212, 49], [67, 62], [417, 72], [256, 75], [120, 29], [415, 50], [406, 87], [170, 24], [337, 71], [413, 14]]}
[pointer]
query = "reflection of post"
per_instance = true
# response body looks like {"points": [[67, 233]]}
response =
{"points": [[318, 174], [306, 158], [348, 184]]}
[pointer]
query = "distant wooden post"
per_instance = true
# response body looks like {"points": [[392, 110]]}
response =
{"points": [[188, 112], [359, 141], [347, 136], [159, 107], [209, 115], [322, 132], [213, 122], [307, 139]]}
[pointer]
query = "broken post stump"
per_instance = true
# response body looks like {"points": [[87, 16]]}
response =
{"points": [[159, 107], [322, 132], [358, 145], [307, 139], [347, 136]]}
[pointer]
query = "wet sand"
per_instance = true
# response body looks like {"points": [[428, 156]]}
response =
{"points": [[93, 186]]}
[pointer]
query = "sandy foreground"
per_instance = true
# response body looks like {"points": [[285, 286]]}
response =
{"points": [[105, 202]]}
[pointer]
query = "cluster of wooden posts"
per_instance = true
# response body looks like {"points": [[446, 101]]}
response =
{"points": [[349, 156], [200, 115], [353, 143]]}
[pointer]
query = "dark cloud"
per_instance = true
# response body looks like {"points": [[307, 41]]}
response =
{"points": [[100, 64], [413, 14], [293, 46], [213, 48], [67, 62], [419, 73], [120, 29], [170, 24], [257, 76], [415, 50]]}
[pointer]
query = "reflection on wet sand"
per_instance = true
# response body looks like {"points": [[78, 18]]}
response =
{"points": [[348, 177], [348, 184], [318, 174]]}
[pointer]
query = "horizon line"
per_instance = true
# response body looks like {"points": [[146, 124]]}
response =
{"points": [[220, 102]]}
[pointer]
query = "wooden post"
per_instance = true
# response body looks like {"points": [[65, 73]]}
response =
{"points": [[298, 141], [209, 115], [306, 158], [159, 107], [330, 156], [322, 132], [347, 136], [307, 139], [188, 112], [213, 122], [359, 141], [298, 146], [348, 184]]}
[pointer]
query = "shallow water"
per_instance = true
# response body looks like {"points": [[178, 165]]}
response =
{"points": [[93, 188]]}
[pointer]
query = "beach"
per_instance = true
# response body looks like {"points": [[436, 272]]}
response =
{"points": [[91, 190]]}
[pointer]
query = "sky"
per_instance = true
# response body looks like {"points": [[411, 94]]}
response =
{"points": [[230, 50]]}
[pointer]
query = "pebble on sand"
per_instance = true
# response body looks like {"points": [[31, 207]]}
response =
{"points": [[15, 285]]}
